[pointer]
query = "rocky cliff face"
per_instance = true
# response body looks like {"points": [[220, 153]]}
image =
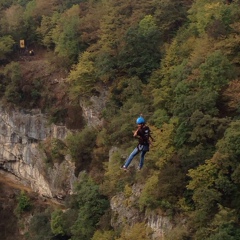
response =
{"points": [[124, 212], [21, 133]]}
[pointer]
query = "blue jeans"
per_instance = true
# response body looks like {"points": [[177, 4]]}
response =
{"points": [[137, 150]]}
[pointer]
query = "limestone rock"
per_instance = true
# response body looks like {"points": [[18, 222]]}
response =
{"points": [[125, 212], [21, 133]]}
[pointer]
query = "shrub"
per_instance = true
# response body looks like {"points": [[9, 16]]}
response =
{"points": [[91, 204], [23, 204]]}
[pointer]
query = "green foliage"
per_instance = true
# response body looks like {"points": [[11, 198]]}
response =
{"points": [[58, 115], [12, 72], [65, 34], [206, 128], [58, 149], [23, 3], [55, 150], [203, 12], [171, 184], [80, 147], [141, 54], [103, 235], [6, 46], [91, 205], [127, 90], [13, 21], [147, 26], [6, 3], [40, 227], [174, 72], [164, 186], [113, 179], [178, 233], [70, 3], [195, 107], [32, 93], [216, 71], [46, 29], [57, 222], [36, 9], [213, 184], [221, 226], [189, 100], [82, 78], [138, 231], [227, 231], [163, 147], [204, 175], [230, 143], [24, 203], [170, 15], [148, 195], [68, 218], [13, 94], [12, 82], [100, 154], [160, 117]]}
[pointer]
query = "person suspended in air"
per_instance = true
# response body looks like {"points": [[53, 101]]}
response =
{"points": [[143, 134]]}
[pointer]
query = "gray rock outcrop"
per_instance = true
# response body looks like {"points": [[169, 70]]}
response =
{"points": [[125, 212], [21, 133]]}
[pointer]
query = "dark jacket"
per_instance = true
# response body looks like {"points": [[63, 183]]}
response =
{"points": [[143, 135]]}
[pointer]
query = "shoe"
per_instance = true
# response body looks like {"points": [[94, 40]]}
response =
{"points": [[139, 169], [124, 168]]}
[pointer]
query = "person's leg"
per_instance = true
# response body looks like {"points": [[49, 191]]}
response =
{"points": [[131, 156], [141, 159]]}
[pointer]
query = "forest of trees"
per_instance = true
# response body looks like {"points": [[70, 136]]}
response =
{"points": [[175, 61]]}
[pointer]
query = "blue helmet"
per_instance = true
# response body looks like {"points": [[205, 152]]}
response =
{"points": [[140, 120]]}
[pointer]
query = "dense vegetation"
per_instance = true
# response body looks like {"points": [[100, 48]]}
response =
{"points": [[178, 63]]}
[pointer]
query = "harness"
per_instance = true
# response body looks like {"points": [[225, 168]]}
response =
{"points": [[144, 134]]}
